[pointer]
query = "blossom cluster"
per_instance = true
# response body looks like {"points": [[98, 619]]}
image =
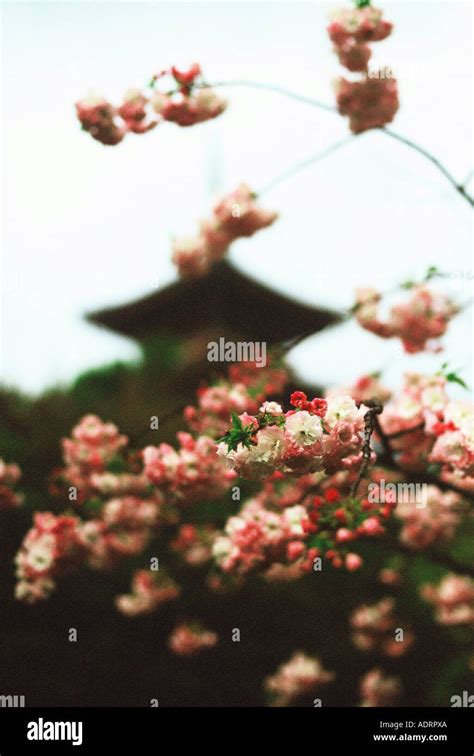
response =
{"points": [[92, 446], [299, 676], [236, 215], [453, 599], [189, 639], [187, 102], [316, 435], [194, 543], [430, 522], [417, 322], [243, 391], [10, 474], [425, 426], [372, 100], [50, 548], [285, 529], [191, 473], [366, 388], [379, 689], [150, 589], [374, 629]]}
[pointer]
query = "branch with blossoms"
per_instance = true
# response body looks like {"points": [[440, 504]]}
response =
{"points": [[186, 98]]}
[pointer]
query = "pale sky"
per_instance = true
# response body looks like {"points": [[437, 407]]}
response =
{"points": [[87, 226]]}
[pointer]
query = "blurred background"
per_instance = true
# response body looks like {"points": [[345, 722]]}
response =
{"points": [[87, 227]]}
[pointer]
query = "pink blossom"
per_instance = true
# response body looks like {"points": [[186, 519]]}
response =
{"points": [[99, 118], [300, 675], [378, 689], [374, 628], [358, 24], [418, 321], [194, 471], [453, 599], [236, 215], [189, 639], [10, 474], [370, 102], [149, 590]]}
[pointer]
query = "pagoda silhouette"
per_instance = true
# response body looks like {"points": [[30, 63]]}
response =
{"points": [[174, 325]]}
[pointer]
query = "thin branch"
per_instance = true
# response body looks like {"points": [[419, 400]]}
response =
{"points": [[468, 178], [460, 188], [304, 164], [271, 88], [370, 422], [404, 432], [422, 151]]}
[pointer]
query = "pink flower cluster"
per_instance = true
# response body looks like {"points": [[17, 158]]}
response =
{"points": [[10, 474], [93, 445], [379, 689], [190, 639], [454, 445], [317, 435], [453, 600], [300, 675], [149, 590], [372, 100], [58, 543], [283, 529], [236, 215], [417, 322], [50, 548], [187, 103], [194, 543], [257, 537], [430, 522], [364, 389], [244, 390], [431, 428], [375, 629], [193, 472]]}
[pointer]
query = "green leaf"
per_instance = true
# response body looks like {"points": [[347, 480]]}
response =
{"points": [[455, 378]]}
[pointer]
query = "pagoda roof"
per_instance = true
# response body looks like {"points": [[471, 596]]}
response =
{"points": [[224, 297]]}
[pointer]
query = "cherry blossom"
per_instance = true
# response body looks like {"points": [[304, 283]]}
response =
{"points": [[374, 628], [326, 436], [236, 215], [10, 474], [379, 689], [417, 322], [98, 117], [190, 639], [430, 522], [194, 543], [358, 24], [50, 548], [149, 590], [300, 675], [191, 473], [243, 391], [453, 599], [188, 102]]}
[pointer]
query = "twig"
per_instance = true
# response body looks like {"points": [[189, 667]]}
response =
{"points": [[370, 422], [460, 188], [271, 88], [304, 164], [398, 434], [422, 151]]}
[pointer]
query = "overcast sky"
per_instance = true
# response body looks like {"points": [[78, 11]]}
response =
{"points": [[86, 226]]}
